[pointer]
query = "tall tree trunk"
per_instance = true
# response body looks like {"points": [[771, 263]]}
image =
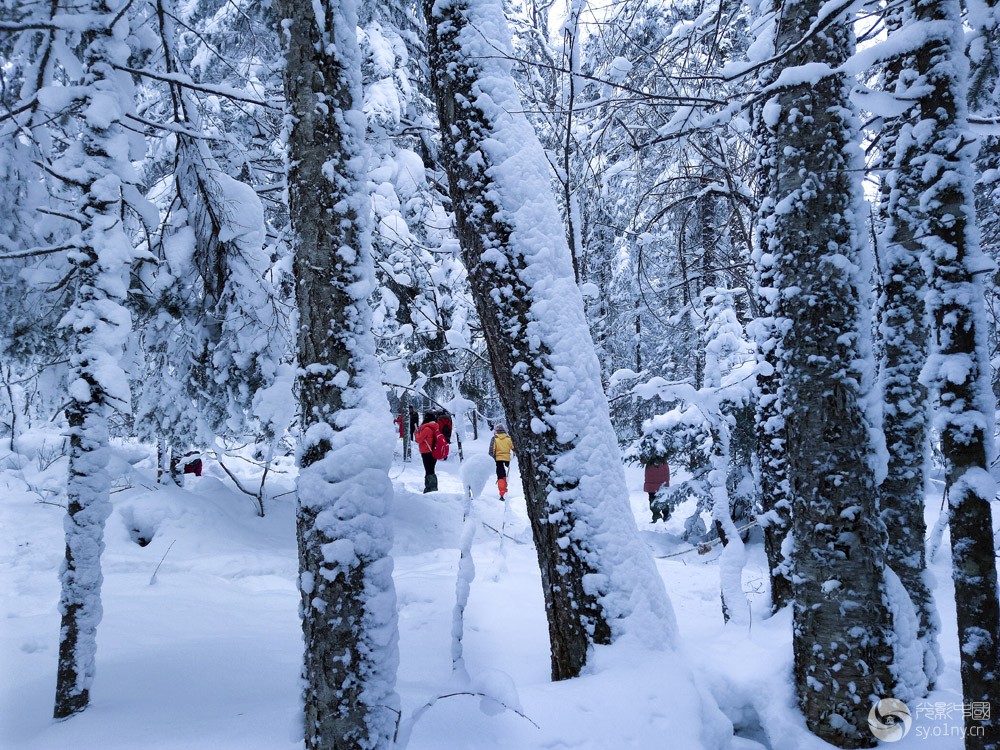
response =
{"points": [[100, 325], [937, 161], [905, 342], [595, 571], [775, 518], [344, 539], [984, 101], [841, 637]]}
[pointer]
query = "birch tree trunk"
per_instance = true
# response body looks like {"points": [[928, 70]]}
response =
{"points": [[348, 604], [813, 214], [597, 577]]}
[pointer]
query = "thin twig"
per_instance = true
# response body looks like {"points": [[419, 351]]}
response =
{"points": [[152, 578]]}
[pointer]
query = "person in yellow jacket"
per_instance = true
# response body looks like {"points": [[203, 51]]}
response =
{"points": [[500, 449]]}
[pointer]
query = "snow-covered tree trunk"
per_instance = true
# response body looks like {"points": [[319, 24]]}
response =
{"points": [[724, 349], [734, 602], [984, 101], [813, 216], [98, 165], [348, 600], [597, 577], [940, 152], [905, 342], [775, 518]]}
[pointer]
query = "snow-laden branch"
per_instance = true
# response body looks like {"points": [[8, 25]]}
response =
{"points": [[35, 251], [227, 92]]}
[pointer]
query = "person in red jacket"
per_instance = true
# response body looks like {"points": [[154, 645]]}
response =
{"points": [[426, 437], [657, 475]]}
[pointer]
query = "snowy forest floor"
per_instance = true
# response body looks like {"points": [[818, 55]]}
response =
{"points": [[207, 655]]}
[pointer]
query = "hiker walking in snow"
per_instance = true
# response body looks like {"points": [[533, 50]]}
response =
{"points": [[414, 423], [656, 475], [500, 449], [429, 440]]}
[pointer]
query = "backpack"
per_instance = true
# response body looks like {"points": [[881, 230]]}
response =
{"points": [[440, 450]]}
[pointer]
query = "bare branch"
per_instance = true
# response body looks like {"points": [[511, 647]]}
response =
{"points": [[206, 88]]}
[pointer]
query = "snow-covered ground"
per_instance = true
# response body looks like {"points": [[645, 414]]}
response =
{"points": [[206, 655]]}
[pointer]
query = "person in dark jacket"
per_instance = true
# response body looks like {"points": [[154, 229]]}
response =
{"points": [[657, 475], [414, 421], [444, 422], [426, 437]]}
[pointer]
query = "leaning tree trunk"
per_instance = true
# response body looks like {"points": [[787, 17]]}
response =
{"points": [[841, 637], [100, 325], [595, 571], [905, 340], [345, 572], [938, 163]]}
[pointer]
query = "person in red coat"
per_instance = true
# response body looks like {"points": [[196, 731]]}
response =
{"points": [[657, 475], [426, 437], [192, 463]]}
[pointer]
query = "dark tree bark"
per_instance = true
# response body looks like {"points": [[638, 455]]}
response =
{"points": [[348, 599], [936, 167], [775, 518], [905, 343], [813, 213], [528, 362]]}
